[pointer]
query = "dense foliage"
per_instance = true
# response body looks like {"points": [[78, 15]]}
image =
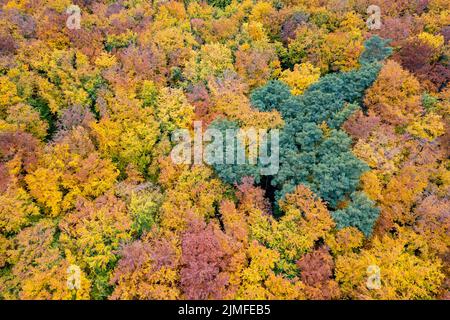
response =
{"points": [[87, 184]]}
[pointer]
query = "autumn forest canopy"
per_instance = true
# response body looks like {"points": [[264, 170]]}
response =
{"points": [[92, 205]]}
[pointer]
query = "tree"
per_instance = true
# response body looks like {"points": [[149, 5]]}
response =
{"points": [[406, 271], [255, 65], [376, 49], [66, 172], [423, 59], [22, 117], [229, 100], [19, 152], [71, 118], [176, 44], [432, 222], [361, 213], [8, 95], [291, 24], [271, 96], [16, 206], [359, 126], [191, 191], [144, 206], [397, 29], [429, 127], [131, 141], [305, 221], [316, 269], [199, 97], [145, 62], [219, 3], [92, 233], [341, 52], [395, 95], [38, 271], [212, 59], [148, 269], [259, 281], [301, 77], [173, 110], [209, 261]]}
